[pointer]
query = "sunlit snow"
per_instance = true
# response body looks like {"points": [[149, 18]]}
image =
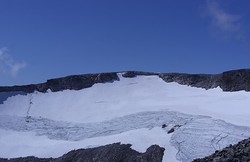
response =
{"points": [[131, 110]]}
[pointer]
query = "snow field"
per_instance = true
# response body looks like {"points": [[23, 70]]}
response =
{"points": [[104, 114]]}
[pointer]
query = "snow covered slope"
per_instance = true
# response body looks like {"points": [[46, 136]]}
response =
{"points": [[130, 110]]}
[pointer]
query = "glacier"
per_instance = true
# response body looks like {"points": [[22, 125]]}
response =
{"points": [[131, 110]]}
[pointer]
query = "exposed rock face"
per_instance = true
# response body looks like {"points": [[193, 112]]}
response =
{"points": [[74, 82], [233, 153], [110, 153], [132, 74], [206, 81], [234, 80]]}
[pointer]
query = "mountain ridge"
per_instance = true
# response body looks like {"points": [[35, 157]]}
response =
{"points": [[109, 153], [229, 81], [234, 80]]}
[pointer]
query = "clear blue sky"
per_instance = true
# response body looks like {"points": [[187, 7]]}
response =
{"points": [[42, 39]]}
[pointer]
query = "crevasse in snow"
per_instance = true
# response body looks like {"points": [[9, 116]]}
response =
{"points": [[125, 109]]}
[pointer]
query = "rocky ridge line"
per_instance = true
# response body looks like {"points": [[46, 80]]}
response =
{"points": [[234, 80], [73, 82], [109, 153]]}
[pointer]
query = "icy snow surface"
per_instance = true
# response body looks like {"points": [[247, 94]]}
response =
{"points": [[131, 110]]}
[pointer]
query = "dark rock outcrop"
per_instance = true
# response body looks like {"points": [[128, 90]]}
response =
{"points": [[132, 74], [206, 81], [74, 82], [233, 153], [234, 80], [110, 153]]}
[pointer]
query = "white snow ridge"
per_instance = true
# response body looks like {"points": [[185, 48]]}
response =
{"points": [[132, 110]]}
